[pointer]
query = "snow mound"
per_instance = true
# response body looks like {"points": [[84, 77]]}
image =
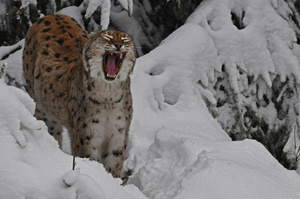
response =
{"points": [[12, 57], [257, 47], [177, 149], [32, 165]]}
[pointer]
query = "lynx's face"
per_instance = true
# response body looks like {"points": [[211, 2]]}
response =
{"points": [[109, 55]]}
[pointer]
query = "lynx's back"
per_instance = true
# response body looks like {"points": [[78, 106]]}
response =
{"points": [[51, 58]]}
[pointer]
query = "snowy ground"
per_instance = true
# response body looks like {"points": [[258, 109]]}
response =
{"points": [[176, 149]]}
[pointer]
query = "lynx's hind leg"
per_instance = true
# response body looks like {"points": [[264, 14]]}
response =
{"points": [[54, 127]]}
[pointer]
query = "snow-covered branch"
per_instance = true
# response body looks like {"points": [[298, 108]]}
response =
{"points": [[105, 6]]}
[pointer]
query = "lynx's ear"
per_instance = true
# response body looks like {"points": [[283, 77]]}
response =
{"points": [[92, 34]]}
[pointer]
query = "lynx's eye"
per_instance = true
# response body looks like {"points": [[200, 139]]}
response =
{"points": [[107, 37], [125, 39]]}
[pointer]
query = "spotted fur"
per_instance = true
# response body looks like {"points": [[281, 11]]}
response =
{"points": [[65, 75]]}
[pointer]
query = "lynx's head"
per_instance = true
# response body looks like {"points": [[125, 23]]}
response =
{"points": [[109, 55]]}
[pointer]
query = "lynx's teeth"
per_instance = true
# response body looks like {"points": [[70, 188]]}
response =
{"points": [[121, 55], [107, 75]]}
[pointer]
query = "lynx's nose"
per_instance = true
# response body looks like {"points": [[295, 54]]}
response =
{"points": [[118, 46]]}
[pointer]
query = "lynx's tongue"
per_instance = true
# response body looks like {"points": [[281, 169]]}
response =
{"points": [[111, 68], [112, 63]]}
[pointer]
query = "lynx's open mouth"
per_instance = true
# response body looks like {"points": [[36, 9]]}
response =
{"points": [[112, 63]]}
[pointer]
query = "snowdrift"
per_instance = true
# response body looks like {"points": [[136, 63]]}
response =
{"points": [[32, 165], [178, 149]]}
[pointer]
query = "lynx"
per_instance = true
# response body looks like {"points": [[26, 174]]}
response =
{"points": [[82, 82]]}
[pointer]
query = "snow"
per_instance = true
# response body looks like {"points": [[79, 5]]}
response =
{"points": [[26, 3], [127, 5], [176, 148], [179, 150], [257, 48], [34, 167], [74, 12], [266, 37], [105, 10], [105, 5]]}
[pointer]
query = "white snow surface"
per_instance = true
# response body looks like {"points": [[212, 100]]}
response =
{"points": [[105, 5], [176, 149], [32, 165]]}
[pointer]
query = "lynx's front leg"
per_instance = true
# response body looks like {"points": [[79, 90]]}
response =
{"points": [[116, 150], [118, 128], [104, 139]]}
